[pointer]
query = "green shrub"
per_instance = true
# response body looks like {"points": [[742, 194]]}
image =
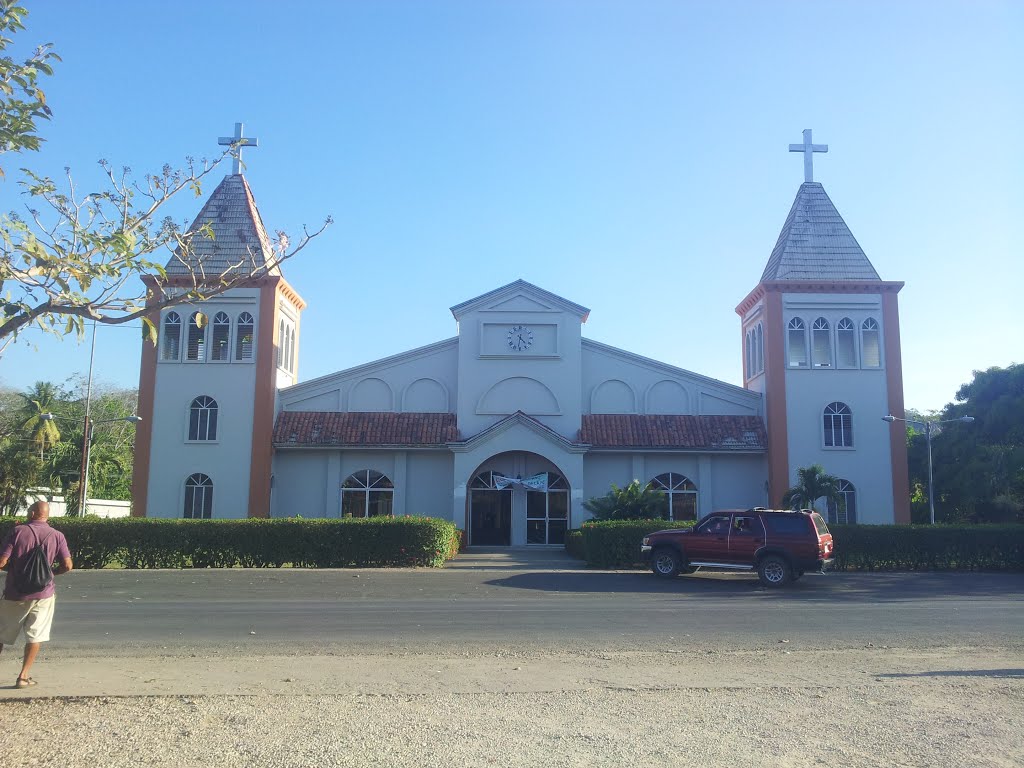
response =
{"points": [[359, 543], [616, 543], [574, 545], [928, 547]]}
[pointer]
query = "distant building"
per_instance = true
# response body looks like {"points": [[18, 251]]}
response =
{"points": [[507, 427]]}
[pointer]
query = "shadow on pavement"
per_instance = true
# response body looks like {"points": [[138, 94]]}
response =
{"points": [[881, 587], [1016, 674]]}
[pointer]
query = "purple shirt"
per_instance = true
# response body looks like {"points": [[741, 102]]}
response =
{"points": [[19, 545]]}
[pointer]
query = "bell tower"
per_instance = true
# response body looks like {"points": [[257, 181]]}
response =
{"points": [[821, 341], [207, 388]]}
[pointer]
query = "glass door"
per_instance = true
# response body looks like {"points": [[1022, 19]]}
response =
{"points": [[547, 512]]}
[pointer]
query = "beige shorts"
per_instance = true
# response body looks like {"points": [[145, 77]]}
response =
{"points": [[35, 616]]}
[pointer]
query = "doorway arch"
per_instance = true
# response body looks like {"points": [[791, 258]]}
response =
{"points": [[518, 498]]}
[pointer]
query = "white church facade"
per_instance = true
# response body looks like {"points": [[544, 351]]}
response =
{"points": [[508, 426]]}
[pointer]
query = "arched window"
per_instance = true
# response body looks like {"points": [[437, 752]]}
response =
{"points": [[196, 349], [547, 511], [245, 335], [220, 342], [838, 426], [202, 419], [848, 514], [171, 347], [870, 344], [750, 354], [367, 493], [846, 344], [759, 349], [821, 343], [198, 497], [796, 337], [286, 345], [681, 494]]}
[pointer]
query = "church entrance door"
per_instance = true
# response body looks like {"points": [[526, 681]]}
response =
{"points": [[490, 522]]}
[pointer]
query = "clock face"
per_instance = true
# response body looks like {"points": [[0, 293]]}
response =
{"points": [[520, 338]]}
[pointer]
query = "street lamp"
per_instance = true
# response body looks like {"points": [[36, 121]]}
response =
{"points": [[90, 425], [928, 428]]}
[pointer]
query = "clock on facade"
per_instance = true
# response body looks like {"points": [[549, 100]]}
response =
{"points": [[520, 338]]}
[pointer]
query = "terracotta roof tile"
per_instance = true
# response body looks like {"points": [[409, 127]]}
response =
{"points": [[321, 428], [718, 433]]}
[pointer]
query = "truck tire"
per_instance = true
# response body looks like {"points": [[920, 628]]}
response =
{"points": [[665, 562], [774, 571]]}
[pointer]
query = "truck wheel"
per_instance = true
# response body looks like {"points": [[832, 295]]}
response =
{"points": [[773, 571], [665, 562]]}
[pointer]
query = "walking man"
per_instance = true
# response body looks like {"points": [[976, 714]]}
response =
{"points": [[32, 611]]}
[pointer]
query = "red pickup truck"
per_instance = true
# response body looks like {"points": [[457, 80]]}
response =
{"points": [[780, 544]]}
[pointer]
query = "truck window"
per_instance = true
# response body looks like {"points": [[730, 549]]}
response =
{"points": [[786, 525]]}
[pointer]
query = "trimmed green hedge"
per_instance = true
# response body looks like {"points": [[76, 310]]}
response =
{"points": [[928, 547], [616, 544], [349, 543]]}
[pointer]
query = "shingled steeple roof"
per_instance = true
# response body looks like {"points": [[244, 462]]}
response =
{"points": [[239, 246], [816, 244]]}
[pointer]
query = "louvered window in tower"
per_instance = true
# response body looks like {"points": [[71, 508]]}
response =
{"points": [[846, 344], [245, 334], [220, 342], [796, 338], [170, 344], [750, 353], [838, 426], [759, 349], [196, 348], [821, 343], [871, 346]]}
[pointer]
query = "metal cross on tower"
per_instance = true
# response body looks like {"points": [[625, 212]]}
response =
{"points": [[238, 139], [808, 149]]}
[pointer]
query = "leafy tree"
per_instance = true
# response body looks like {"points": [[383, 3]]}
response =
{"points": [[978, 467], [635, 501], [813, 484], [19, 471], [72, 255], [39, 401], [23, 101]]}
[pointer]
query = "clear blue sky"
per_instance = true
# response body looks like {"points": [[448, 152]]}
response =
{"points": [[629, 156]]}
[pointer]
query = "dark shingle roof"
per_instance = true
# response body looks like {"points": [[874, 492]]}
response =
{"points": [[240, 241], [816, 244], [718, 433], [324, 429]]}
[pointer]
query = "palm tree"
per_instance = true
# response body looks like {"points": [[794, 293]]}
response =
{"points": [[813, 484], [633, 502], [39, 402]]}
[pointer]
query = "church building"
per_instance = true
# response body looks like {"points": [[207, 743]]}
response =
{"points": [[507, 427]]}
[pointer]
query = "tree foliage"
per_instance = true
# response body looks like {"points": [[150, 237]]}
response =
{"points": [[55, 465], [978, 467], [635, 501], [70, 255], [813, 484]]}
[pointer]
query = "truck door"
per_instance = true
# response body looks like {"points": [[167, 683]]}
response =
{"points": [[746, 536], [709, 542]]}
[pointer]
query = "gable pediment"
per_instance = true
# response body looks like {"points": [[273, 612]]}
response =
{"points": [[519, 296]]}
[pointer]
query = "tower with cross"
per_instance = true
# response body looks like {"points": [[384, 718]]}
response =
{"points": [[820, 339], [207, 389]]}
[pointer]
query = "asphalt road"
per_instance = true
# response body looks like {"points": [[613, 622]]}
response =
{"points": [[481, 606]]}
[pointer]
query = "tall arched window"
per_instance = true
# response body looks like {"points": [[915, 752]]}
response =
{"points": [[838, 426], [759, 349], [220, 341], [286, 345], [202, 419], [196, 348], [821, 343], [681, 494], [750, 354], [547, 511], [367, 493], [796, 337], [170, 349], [245, 333], [198, 497], [870, 344], [848, 514], [846, 344]]}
